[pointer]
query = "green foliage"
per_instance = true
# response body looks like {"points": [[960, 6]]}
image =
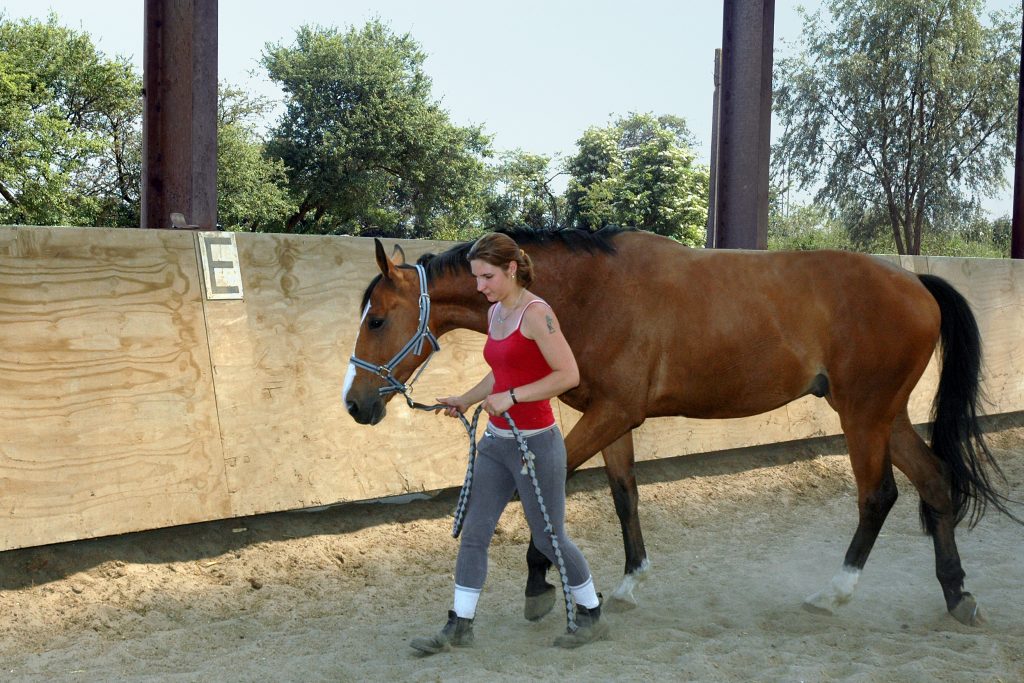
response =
{"points": [[902, 110], [361, 148], [811, 227], [520, 193], [363, 143], [252, 189], [640, 172], [69, 129], [806, 228]]}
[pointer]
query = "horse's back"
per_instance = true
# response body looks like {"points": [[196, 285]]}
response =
{"points": [[714, 285], [725, 333]]}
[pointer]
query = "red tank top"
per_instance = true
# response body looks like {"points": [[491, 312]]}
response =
{"points": [[515, 361]]}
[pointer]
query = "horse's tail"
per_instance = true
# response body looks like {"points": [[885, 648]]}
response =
{"points": [[957, 437]]}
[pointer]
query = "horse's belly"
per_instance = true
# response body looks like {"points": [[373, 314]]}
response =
{"points": [[739, 389]]}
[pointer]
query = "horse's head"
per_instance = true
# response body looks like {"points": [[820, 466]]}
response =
{"points": [[393, 338]]}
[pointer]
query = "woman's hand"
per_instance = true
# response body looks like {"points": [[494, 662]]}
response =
{"points": [[455, 405], [499, 403]]}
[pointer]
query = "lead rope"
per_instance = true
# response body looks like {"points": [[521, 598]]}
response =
{"points": [[528, 467], [467, 484]]}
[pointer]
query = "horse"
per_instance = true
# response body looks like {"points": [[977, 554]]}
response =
{"points": [[660, 329]]}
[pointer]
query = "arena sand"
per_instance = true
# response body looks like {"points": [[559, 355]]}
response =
{"points": [[736, 541]]}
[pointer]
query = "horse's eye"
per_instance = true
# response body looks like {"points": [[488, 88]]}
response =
{"points": [[375, 323]]}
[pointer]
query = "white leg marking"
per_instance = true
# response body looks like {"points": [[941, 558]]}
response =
{"points": [[624, 592], [350, 376], [838, 592]]}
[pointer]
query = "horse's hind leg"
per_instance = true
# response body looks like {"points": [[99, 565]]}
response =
{"points": [[876, 494], [916, 460], [619, 467]]}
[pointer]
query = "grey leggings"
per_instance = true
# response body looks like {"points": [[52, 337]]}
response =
{"points": [[497, 475]]}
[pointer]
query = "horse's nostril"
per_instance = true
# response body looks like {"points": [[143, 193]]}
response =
{"points": [[353, 407]]}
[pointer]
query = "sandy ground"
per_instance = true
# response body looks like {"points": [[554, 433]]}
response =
{"points": [[736, 541]]}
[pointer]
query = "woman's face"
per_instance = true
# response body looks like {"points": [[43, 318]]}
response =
{"points": [[494, 282]]}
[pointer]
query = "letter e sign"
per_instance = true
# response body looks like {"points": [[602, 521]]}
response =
{"points": [[222, 273]]}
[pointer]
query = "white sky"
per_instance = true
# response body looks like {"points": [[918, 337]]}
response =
{"points": [[534, 73]]}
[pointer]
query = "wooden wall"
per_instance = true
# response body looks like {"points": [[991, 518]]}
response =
{"points": [[108, 417], [128, 401]]}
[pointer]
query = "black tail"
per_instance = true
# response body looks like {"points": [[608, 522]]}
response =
{"points": [[957, 438]]}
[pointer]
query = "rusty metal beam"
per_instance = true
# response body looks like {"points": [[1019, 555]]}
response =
{"points": [[1017, 222], [179, 125], [744, 136], [712, 228]]}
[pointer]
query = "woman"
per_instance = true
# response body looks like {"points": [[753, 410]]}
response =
{"points": [[530, 363]]}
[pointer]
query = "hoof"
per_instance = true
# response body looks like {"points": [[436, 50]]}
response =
{"points": [[820, 603], [967, 611], [538, 606], [622, 598]]}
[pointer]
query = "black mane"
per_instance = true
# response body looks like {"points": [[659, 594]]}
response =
{"points": [[453, 261]]}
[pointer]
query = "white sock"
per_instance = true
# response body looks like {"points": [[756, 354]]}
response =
{"points": [[585, 594], [465, 601]]}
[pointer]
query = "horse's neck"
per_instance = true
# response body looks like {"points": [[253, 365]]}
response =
{"points": [[457, 305]]}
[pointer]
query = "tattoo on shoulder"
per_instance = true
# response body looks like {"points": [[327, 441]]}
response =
{"points": [[551, 324]]}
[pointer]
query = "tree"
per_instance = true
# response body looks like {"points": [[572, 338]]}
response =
{"points": [[521, 193], [68, 124], [805, 228], [902, 110], [252, 189], [639, 172], [367, 150]]}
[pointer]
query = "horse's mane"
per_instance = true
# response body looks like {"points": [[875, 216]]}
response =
{"points": [[453, 261]]}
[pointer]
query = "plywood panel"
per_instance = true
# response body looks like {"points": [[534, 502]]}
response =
{"points": [[995, 289], [128, 402], [280, 358], [107, 414]]}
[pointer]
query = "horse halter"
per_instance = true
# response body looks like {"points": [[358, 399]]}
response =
{"points": [[414, 345]]}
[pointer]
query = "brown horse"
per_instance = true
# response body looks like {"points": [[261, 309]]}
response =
{"points": [[659, 329]]}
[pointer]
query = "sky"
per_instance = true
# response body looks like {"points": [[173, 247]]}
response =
{"points": [[534, 73]]}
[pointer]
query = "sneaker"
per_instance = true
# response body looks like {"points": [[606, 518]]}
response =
{"points": [[458, 632]]}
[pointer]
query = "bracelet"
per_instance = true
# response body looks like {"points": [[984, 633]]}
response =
{"points": [[512, 393]]}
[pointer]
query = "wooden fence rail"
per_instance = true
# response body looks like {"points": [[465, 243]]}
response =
{"points": [[129, 400]]}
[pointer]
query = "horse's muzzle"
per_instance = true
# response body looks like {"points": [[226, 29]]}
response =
{"points": [[367, 412]]}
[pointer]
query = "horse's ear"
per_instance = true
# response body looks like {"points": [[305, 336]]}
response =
{"points": [[387, 268], [398, 256]]}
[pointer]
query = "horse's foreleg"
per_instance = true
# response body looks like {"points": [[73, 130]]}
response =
{"points": [[876, 494], [916, 460], [619, 467]]}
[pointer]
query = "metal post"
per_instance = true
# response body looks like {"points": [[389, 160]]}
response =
{"points": [[713, 175], [744, 142], [1017, 222], [179, 125]]}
